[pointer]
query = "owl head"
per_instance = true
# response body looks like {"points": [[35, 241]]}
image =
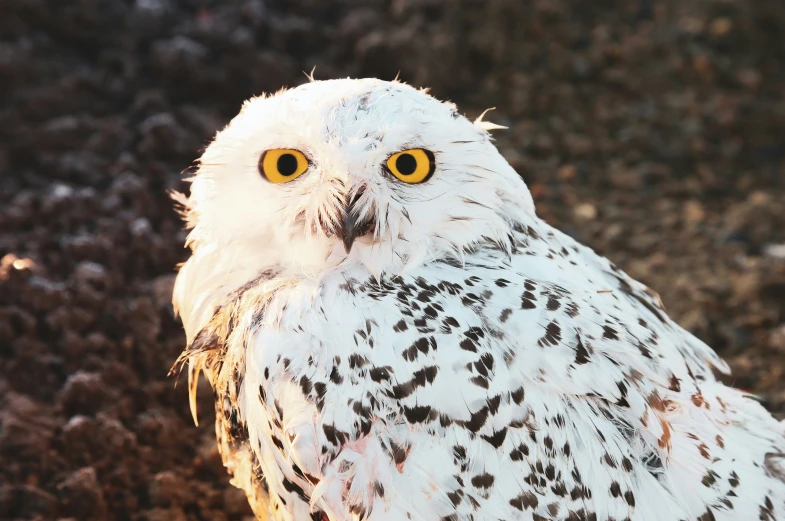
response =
{"points": [[349, 173]]}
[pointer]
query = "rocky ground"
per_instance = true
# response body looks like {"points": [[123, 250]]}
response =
{"points": [[653, 131]]}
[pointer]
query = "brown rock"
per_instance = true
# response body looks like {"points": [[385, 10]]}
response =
{"points": [[81, 495]]}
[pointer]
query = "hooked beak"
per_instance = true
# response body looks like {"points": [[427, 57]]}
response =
{"points": [[351, 225]]}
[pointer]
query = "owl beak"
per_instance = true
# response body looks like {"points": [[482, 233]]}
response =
{"points": [[352, 226]]}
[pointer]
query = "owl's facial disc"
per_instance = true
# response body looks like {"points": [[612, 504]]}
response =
{"points": [[354, 224], [410, 167]]}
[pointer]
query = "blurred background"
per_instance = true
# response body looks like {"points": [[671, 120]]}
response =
{"points": [[653, 131]]}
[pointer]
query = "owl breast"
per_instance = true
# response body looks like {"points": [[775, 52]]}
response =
{"points": [[503, 388]]}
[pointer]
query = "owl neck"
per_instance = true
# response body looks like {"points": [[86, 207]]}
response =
{"points": [[212, 274]]}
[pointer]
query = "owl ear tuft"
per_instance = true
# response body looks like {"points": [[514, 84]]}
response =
{"points": [[487, 125]]}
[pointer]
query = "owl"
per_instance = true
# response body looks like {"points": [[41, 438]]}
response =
{"points": [[393, 334]]}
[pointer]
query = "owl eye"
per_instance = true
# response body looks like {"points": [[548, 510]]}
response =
{"points": [[281, 165], [412, 166]]}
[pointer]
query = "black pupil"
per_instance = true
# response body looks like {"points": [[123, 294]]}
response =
{"points": [[287, 164], [406, 164]]}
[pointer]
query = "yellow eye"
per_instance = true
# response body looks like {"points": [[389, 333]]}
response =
{"points": [[281, 165], [412, 166]]}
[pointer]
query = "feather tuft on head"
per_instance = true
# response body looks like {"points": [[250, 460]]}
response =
{"points": [[487, 125]]}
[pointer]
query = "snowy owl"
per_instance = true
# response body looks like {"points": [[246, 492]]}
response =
{"points": [[393, 334]]}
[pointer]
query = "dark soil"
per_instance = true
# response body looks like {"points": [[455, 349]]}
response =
{"points": [[653, 131]]}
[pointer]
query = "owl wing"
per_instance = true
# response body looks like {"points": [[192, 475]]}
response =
{"points": [[209, 353]]}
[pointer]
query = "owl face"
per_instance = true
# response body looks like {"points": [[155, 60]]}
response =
{"points": [[352, 171]]}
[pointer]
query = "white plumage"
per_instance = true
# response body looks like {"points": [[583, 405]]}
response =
{"points": [[386, 347]]}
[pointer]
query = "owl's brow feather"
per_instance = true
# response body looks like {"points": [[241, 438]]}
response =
{"points": [[477, 203], [481, 168], [415, 200], [222, 147]]}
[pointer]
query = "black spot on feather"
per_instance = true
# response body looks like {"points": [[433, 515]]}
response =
{"points": [[497, 438], [552, 335], [477, 420], [305, 385], [528, 300], [517, 395], [581, 353], [609, 333], [419, 414], [378, 374], [525, 501], [483, 480], [294, 487]]}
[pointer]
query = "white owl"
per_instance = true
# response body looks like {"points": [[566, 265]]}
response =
{"points": [[393, 335]]}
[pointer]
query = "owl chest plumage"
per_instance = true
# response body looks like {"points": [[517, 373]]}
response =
{"points": [[529, 382]]}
